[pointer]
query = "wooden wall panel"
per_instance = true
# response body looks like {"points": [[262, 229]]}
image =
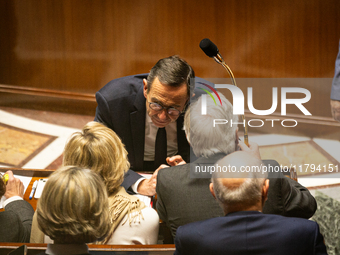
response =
{"points": [[80, 45]]}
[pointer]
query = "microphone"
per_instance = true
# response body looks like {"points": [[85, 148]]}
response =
{"points": [[211, 50]]}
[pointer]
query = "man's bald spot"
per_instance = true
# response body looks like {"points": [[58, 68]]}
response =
{"points": [[237, 159], [232, 183]]}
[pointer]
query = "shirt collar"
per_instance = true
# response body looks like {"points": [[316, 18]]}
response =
{"points": [[148, 119]]}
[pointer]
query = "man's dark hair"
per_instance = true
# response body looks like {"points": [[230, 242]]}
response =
{"points": [[172, 71]]}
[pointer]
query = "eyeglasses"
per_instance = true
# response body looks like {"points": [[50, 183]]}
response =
{"points": [[170, 110]]}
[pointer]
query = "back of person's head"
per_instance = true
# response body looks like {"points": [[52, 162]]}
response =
{"points": [[241, 186], [73, 207], [172, 71], [99, 148], [205, 139]]}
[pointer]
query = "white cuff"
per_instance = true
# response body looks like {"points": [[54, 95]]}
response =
{"points": [[134, 186], [11, 199]]}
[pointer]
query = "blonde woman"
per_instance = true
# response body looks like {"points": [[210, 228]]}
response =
{"points": [[73, 210], [99, 148]]}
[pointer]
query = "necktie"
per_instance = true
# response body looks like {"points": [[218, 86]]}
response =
{"points": [[160, 148]]}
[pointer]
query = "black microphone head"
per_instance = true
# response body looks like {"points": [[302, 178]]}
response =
{"points": [[209, 48]]}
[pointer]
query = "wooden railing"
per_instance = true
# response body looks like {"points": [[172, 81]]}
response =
{"points": [[46, 92], [162, 249]]}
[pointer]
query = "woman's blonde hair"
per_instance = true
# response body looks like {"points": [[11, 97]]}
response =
{"points": [[99, 148], [73, 207]]}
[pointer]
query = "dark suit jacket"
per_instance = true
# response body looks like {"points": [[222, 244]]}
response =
{"points": [[335, 93], [181, 199], [16, 222], [122, 107], [250, 232]]}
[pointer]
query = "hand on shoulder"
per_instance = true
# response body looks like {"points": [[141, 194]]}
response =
{"points": [[147, 187], [175, 160]]}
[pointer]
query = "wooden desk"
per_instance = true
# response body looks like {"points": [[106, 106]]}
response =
{"points": [[36, 174], [162, 249]]}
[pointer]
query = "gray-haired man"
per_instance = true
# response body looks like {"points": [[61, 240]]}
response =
{"points": [[182, 199]]}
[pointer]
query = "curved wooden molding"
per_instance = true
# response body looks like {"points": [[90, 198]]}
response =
{"points": [[47, 93], [315, 120]]}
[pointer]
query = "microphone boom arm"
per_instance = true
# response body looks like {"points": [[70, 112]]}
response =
{"points": [[218, 58]]}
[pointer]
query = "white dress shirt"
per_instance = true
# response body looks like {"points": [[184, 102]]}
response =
{"points": [[150, 139]]}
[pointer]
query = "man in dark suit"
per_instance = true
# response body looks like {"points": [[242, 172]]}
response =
{"points": [[335, 93], [183, 194], [16, 220], [245, 229], [140, 108]]}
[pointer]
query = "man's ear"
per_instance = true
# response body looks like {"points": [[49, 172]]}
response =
{"points": [[145, 87], [211, 187], [265, 189]]}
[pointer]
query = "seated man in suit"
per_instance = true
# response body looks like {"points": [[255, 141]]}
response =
{"points": [[245, 229], [182, 199], [16, 220], [335, 93], [145, 112]]}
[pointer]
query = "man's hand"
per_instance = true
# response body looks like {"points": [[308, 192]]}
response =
{"points": [[175, 160], [335, 108], [147, 187], [14, 186], [252, 149]]}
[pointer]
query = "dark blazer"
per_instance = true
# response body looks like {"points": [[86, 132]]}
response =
{"points": [[181, 199], [335, 93], [16, 222], [250, 232], [122, 107]]}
